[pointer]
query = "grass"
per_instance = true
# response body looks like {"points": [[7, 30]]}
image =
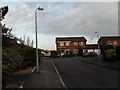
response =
{"points": [[117, 62], [90, 59]]}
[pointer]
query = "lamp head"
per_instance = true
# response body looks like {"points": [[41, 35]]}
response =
{"points": [[40, 8]]}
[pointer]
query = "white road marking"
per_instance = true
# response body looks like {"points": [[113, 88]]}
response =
{"points": [[59, 76]]}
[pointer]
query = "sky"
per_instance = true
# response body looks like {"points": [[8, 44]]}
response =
{"points": [[62, 19]]}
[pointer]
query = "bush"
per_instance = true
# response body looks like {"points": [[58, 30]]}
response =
{"points": [[11, 62], [12, 59], [118, 50], [29, 55], [15, 59], [108, 52], [111, 54]]}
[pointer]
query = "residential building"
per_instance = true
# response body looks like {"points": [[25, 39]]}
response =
{"points": [[67, 45], [108, 40]]}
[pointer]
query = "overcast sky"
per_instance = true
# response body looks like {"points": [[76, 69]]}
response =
{"points": [[62, 19]]}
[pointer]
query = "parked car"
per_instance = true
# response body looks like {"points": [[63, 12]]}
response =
{"points": [[90, 54]]}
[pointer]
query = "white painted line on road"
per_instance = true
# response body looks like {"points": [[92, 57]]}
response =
{"points": [[21, 85], [59, 76]]}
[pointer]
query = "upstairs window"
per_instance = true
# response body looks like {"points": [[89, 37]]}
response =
{"points": [[67, 43], [110, 42], [61, 43], [75, 43], [115, 42], [81, 43]]}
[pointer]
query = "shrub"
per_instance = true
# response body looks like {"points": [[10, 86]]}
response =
{"points": [[12, 59], [11, 62], [111, 54], [108, 52], [118, 50], [29, 55]]}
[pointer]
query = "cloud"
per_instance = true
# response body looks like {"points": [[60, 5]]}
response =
{"points": [[81, 20], [64, 19]]}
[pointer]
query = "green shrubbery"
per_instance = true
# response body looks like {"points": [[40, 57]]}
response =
{"points": [[29, 55], [111, 54], [11, 62], [118, 50], [15, 59]]}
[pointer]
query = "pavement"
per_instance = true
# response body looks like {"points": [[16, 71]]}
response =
{"points": [[100, 62], [46, 78]]}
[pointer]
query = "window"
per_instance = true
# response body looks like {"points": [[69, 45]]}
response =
{"points": [[67, 51], [61, 43], [81, 43], [67, 43], [75, 51], [115, 42], [110, 42], [75, 43]]}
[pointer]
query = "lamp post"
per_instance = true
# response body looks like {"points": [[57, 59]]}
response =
{"points": [[37, 62], [91, 40], [98, 43]]}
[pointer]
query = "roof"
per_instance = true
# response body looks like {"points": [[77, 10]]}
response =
{"points": [[109, 38], [71, 39], [91, 46]]}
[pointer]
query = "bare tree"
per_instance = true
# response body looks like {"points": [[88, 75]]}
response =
{"points": [[28, 41], [32, 43]]}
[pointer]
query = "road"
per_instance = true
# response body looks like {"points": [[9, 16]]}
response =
{"points": [[78, 74]]}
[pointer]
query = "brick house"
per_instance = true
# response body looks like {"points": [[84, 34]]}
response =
{"points": [[67, 45], [108, 40]]}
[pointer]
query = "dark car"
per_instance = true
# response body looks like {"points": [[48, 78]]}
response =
{"points": [[90, 54]]}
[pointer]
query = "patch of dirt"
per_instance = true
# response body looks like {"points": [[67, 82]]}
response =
{"points": [[28, 70], [13, 86]]}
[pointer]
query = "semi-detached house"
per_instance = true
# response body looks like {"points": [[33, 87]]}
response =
{"points": [[108, 40], [66, 45]]}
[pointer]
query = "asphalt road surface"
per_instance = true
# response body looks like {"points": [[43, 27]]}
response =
{"points": [[78, 74]]}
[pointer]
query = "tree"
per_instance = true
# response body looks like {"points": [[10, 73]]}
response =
{"points": [[28, 41], [4, 11], [32, 42], [80, 51], [7, 31]]}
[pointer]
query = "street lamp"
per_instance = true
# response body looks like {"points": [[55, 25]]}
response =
{"points": [[98, 43], [37, 62], [97, 34], [91, 40]]}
